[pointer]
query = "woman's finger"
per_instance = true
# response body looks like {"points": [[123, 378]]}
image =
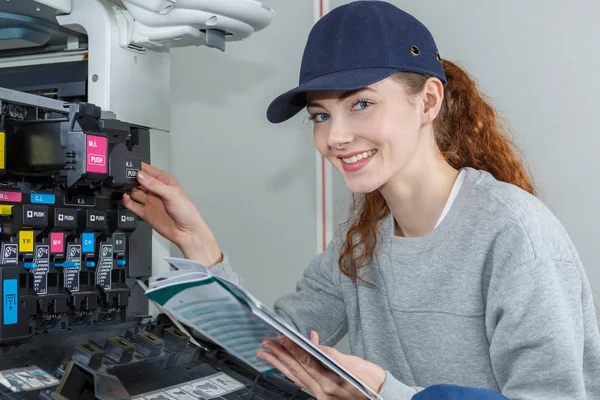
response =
{"points": [[280, 358], [329, 382], [281, 367], [133, 206], [159, 174], [138, 195], [153, 185], [312, 365], [314, 337]]}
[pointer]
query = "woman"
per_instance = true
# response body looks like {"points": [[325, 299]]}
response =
{"points": [[450, 269]]}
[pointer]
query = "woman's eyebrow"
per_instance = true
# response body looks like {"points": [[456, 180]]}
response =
{"points": [[343, 96]]}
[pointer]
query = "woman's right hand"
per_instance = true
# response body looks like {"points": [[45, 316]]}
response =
{"points": [[163, 204]]}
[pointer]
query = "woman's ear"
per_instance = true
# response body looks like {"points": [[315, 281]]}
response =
{"points": [[432, 97]]}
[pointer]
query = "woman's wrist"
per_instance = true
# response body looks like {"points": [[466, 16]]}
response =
{"points": [[202, 248]]}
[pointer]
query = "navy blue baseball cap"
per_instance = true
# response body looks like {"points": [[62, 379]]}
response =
{"points": [[357, 45]]}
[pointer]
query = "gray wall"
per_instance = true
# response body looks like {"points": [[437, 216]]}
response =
{"points": [[538, 63], [255, 182]]}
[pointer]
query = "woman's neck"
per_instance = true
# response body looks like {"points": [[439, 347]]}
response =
{"points": [[418, 195]]}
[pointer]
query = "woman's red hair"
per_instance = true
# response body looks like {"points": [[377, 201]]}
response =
{"points": [[468, 134]]}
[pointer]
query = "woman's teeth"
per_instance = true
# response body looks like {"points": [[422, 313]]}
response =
{"points": [[358, 157]]}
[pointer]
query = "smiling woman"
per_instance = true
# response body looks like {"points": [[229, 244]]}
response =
{"points": [[384, 119], [450, 271]]}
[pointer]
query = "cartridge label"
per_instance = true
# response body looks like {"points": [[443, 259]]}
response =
{"points": [[96, 154], [10, 309], [40, 198], [57, 242], [42, 267], [89, 242], [10, 254], [80, 201], [72, 274], [11, 197], [119, 241], [26, 241], [105, 266]]}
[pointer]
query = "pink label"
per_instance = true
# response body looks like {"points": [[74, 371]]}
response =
{"points": [[12, 197], [57, 242], [96, 154]]}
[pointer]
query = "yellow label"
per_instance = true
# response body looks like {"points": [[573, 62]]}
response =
{"points": [[5, 209], [26, 241], [2, 135]]}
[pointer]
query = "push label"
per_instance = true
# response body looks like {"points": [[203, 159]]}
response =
{"points": [[35, 216], [65, 218], [96, 220], [96, 154]]}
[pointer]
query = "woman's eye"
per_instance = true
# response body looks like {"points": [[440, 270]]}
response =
{"points": [[362, 104], [319, 117]]}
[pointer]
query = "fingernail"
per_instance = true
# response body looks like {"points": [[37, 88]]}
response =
{"points": [[141, 175]]}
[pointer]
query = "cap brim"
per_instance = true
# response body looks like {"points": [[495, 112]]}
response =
{"points": [[293, 101]]}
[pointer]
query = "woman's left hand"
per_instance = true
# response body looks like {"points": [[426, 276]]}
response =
{"points": [[304, 370]]}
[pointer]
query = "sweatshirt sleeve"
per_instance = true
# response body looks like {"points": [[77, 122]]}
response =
{"points": [[224, 270], [393, 389], [540, 322], [317, 302]]}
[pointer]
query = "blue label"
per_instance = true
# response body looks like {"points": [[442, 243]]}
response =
{"points": [[11, 311], [88, 242], [71, 264], [38, 198]]}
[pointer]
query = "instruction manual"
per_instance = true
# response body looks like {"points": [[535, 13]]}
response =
{"points": [[231, 317]]}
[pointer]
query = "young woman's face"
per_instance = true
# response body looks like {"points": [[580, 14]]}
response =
{"points": [[370, 135]]}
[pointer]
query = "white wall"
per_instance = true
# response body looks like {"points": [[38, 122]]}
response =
{"points": [[254, 182], [538, 61]]}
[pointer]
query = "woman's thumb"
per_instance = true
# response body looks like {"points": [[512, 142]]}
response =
{"points": [[332, 352]]}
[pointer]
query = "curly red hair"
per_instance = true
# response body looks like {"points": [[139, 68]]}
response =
{"points": [[468, 134]]}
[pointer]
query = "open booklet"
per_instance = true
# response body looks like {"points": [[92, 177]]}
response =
{"points": [[231, 317]]}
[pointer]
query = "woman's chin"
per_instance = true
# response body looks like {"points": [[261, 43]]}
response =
{"points": [[362, 186]]}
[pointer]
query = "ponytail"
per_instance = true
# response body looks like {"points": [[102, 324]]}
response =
{"points": [[468, 134]]}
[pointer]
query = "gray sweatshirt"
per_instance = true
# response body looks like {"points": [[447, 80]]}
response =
{"points": [[495, 297]]}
